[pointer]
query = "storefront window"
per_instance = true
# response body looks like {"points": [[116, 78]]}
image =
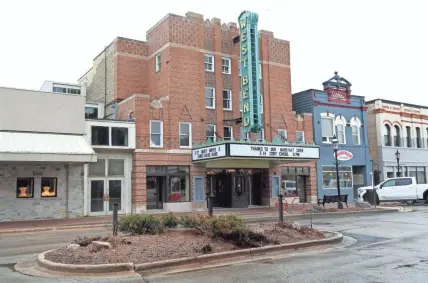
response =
{"points": [[25, 187], [178, 189], [289, 182], [330, 179], [420, 176], [49, 187]]}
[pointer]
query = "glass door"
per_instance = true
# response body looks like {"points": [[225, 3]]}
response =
{"points": [[97, 188], [114, 194]]}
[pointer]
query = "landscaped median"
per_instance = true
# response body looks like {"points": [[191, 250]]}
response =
{"points": [[151, 245]]}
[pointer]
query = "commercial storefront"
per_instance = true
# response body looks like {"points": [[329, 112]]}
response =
{"points": [[42, 156], [342, 117], [398, 128], [243, 175]]}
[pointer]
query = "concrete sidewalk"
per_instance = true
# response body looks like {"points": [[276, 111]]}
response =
{"points": [[248, 214]]}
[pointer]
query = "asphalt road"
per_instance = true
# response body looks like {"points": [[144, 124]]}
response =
{"points": [[384, 248]]}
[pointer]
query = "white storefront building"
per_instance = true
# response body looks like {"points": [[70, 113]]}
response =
{"points": [[395, 127]]}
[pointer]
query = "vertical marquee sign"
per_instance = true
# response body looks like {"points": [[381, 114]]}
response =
{"points": [[250, 83]]}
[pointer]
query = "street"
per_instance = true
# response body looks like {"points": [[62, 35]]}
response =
{"points": [[388, 248]]}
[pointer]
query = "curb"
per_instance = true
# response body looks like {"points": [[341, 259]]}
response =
{"points": [[83, 268], [181, 264], [247, 220]]}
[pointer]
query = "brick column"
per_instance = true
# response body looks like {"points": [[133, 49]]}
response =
{"points": [[218, 77]]}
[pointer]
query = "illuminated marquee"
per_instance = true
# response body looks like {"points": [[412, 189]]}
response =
{"points": [[250, 83]]}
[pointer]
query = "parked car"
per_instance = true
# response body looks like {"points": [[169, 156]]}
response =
{"points": [[404, 189]]}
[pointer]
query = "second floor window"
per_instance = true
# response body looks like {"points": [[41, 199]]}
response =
{"points": [[210, 97], [397, 136], [418, 138], [100, 135], [227, 99], [387, 135], [327, 129], [227, 133], [156, 133], [282, 134], [300, 137], [408, 136], [91, 112], [185, 134], [225, 65], [209, 63], [210, 132]]}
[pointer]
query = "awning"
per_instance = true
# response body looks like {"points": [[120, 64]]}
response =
{"points": [[40, 147]]}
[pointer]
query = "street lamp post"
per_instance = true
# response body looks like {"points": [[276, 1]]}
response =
{"points": [[397, 155], [335, 142]]}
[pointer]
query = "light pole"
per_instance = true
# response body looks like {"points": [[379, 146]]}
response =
{"points": [[335, 142], [397, 155]]}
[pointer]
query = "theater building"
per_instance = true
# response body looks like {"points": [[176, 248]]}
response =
{"points": [[336, 112], [199, 129]]}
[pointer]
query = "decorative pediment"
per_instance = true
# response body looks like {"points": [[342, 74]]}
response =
{"points": [[338, 89]]}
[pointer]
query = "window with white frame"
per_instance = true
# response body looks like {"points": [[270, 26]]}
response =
{"points": [[210, 97], [282, 134], [156, 133], [355, 126], [185, 134], [210, 132], [225, 65], [300, 137], [227, 133], [158, 62], [227, 99], [209, 63], [261, 103], [327, 129], [329, 178], [340, 124], [260, 70]]}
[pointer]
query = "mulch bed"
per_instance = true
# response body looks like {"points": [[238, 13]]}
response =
{"points": [[174, 244]]}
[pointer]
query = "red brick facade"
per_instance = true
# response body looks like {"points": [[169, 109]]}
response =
{"points": [[182, 43]]}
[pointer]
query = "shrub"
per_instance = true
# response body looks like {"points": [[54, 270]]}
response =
{"points": [[193, 221], [140, 224], [170, 220]]}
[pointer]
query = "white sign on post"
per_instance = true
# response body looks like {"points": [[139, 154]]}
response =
{"points": [[274, 151], [209, 152]]}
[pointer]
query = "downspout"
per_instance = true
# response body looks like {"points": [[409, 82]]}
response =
{"points": [[67, 188], [114, 106], [105, 82]]}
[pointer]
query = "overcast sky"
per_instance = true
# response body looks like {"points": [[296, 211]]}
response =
{"points": [[380, 46]]}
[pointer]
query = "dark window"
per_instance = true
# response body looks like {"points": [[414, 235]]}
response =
{"points": [[403, 182], [418, 137], [397, 136], [387, 135], [59, 89], [119, 136], [91, 112], [100, 135], [408, 136], [49, 187], [25, 187]]}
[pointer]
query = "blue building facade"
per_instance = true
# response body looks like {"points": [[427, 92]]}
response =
{"points": [[338, 113]]}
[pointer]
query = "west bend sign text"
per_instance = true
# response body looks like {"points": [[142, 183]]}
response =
{"points": [[250, 83]]}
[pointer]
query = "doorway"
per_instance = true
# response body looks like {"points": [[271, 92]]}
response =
{"points": [[155, 191], [104, 193]]}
